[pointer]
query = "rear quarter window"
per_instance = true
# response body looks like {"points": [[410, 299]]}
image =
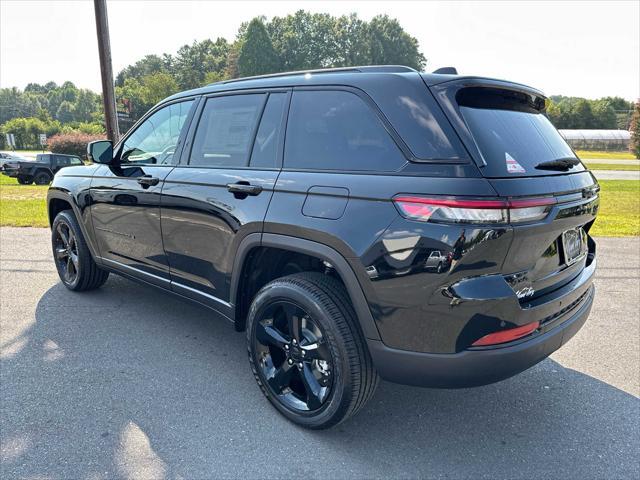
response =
{"points": [[337, 130]]}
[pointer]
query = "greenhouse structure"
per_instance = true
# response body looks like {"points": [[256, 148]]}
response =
{"points": [[586, 139]]}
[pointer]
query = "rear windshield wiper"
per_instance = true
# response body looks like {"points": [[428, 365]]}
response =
{"points": [[559, 164]]}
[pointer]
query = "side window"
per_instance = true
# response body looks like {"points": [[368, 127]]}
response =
{"points": [[265, 146], [337, 130], [75, 161], [60, 161], [225, 131], [155, 140]]}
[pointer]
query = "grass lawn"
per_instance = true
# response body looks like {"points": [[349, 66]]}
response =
{"points": [[619, 214], [586, 154], [610, 166], [24, 206]]}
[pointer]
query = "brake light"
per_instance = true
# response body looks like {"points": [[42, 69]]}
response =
{"points": [[463, 210], [505, 336]]}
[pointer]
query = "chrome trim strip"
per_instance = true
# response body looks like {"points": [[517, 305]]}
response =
{"points": [[195, 290], [134, 270], [169, 283]]}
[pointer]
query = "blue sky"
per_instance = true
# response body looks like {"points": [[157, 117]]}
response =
{"points": [[589, 49]]}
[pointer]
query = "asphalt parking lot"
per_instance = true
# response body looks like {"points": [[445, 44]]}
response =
{"points": [[127, 382]]}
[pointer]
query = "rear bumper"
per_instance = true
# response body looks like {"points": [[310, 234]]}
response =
{"points": [[476, 367]]}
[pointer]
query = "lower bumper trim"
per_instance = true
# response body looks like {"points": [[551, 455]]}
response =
{"points": [[472, 368]]}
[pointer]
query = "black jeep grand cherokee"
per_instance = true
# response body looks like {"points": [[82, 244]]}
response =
{"points": [[429, 229]]}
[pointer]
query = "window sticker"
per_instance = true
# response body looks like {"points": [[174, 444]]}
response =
{"points": [[512, 165]]}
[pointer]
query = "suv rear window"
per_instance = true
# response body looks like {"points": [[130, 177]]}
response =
{"points": [[511, 131], [336, 130]]}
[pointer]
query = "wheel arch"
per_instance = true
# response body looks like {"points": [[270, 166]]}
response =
{"points": [[46, 170], [319, 251], [59, 200]]}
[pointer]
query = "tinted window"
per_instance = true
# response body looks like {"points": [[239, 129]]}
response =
{"points": [[335, 130], [226, 130], [155, 140], [511, 131], [60, 161], [265, 147]]}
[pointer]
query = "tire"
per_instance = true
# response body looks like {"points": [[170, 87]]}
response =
{"points": [[76, 267], [42, 178], [440, 267], [348, 376], [24, 180]]}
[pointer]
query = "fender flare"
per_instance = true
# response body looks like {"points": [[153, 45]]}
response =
{"points": [[59, 194], [319, 250], [37, 170]]}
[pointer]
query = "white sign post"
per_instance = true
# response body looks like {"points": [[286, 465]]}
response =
{"points": [[43, 140], [11, 140]]}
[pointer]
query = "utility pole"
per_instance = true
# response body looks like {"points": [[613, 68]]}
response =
{"points": [[106, 70]]}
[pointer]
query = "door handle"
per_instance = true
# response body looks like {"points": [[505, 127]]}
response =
{"points": [[244, 188], [148, 180]]}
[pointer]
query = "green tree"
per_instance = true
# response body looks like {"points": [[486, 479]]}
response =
{"points": [[66, 112], [390, 44], [257, 55], [303, 40], [604, 116], [148, 65], [193, 62], [157, 86], [26, 130], [87, 102], [231, 70], [352, 45], [133, 93], [634, 146]]}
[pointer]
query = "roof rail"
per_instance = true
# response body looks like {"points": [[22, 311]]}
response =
{"points": [[366, 68]]}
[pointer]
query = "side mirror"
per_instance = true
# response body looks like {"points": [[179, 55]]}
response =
{"points": [[100, 151]]}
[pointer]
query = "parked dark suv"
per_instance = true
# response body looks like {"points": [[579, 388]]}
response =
{"points": [[305, 208], [40, 171]]}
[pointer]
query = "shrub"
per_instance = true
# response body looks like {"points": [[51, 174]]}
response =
{"points": [[26, 130], [634, 146], [74, 143]]}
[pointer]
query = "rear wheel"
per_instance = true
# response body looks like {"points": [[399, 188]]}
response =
{"points": [[24, 180], [307, 352], [74, 262], [42, 178]]}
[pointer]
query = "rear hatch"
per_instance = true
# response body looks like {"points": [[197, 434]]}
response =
{"points": [[524, 158]]}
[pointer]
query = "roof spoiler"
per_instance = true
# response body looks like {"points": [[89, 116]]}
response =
{"points": [[446, 71]]}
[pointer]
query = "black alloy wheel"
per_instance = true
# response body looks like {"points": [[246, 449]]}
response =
{"points": [[76, 267], [66, 253], [306, 350], [293, 357]]}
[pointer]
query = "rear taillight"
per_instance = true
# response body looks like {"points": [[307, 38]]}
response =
{"points": [[505, 336], [465, 210]]}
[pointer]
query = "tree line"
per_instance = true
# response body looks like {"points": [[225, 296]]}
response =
{"points": [[297, 41], [608, 113]]}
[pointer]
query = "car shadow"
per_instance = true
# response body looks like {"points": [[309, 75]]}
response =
{"points": [[128, 382]]}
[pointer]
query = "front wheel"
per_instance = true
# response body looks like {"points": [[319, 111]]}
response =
{"points": [[76, 267], [307, 352]]}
